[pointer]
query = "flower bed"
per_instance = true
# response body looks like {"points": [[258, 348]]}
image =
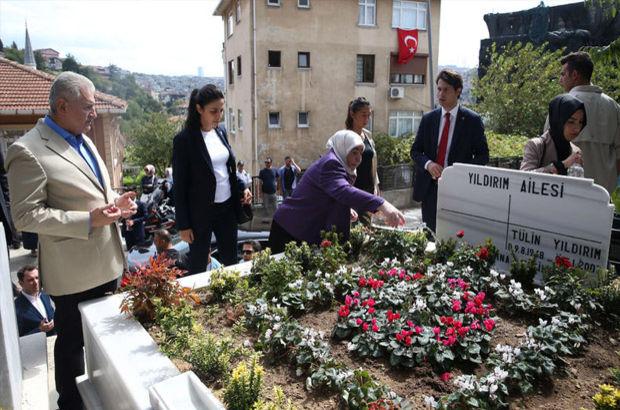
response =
{"points": [[399, 328]]}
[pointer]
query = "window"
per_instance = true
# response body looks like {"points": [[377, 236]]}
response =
{"points": [[365, 70], [303, 119], [231, 71], [303, 59], [274, 120], [304, 4], [231, 24], [238, 66], [273, 3], [238, 11], [231, 120], [239, 120], [368, 12], [409, 14], [403, 123], [274, 58], [412, 72]]}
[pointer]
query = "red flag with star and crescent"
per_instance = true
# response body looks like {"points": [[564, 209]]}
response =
{"points": [[407, 45]]}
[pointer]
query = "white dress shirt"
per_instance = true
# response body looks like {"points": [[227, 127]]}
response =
{"points": [[37, 303], [453, 113], [219, 157]]}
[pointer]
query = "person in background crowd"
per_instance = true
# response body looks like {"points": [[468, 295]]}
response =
{"points": [[168, 185], [149, 180], [268, 186], [599, 140], [133, 227], [243, 175], [61, 190], [207, 193], [33, 307], [163, 244], [287, 176], [553, 152], [325, 197], [446, 135], [30, 241], [358, 115], [249, 249]]}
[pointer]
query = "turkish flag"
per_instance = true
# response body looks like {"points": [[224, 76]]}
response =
{"points": [[407, 45]]}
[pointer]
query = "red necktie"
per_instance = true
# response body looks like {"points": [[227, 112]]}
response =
{"points": [[443, 142]]}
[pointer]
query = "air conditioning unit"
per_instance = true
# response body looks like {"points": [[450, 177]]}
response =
{"points": [[397, 92]]}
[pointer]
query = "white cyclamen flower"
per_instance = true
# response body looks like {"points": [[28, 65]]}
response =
{"points": [[430, 401]]}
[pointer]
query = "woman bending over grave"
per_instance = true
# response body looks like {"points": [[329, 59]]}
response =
{"points": [[553, 152], [325, 197]]}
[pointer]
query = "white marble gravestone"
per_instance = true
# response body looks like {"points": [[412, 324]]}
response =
{"points": [[10, 361], [527, 213]]}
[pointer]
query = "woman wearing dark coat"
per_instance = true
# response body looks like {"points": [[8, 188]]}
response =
{"points": [[207, 194], [553, 152]]}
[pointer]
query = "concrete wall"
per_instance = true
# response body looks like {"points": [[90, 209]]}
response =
{"points": [[329, 31]]}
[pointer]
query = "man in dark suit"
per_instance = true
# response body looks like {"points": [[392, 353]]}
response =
{"points": [[446, 135], [33, 307]]}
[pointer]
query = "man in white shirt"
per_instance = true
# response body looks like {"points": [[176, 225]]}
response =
{"points": [[33, 307], [599, 140], [446, 135], [243, 175]]}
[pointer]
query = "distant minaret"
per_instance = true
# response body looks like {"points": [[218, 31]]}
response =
{"points": [[28, 53], [1, 48]]}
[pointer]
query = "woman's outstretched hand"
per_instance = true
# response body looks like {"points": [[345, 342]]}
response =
{"points": [[393, 217]]}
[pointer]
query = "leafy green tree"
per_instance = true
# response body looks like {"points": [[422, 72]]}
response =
{"points": [[607, 68], [514, 94], [150, 141], [14, 54], [70, 64], [610, 7]]}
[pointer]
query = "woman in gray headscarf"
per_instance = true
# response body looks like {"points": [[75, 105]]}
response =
{"points": [[325, 196]]}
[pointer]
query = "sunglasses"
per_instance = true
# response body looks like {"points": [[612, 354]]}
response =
{"points": [[246, 251]]}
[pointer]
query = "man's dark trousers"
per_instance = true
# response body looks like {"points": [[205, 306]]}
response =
{"points": [[69, 347]]}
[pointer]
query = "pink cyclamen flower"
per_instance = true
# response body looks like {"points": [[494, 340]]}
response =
{"points": [[365, 327], [359, 321], [375, 328], [445, 377], [489, 324], [460, 234]]}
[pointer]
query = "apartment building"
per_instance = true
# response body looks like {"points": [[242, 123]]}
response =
{"points": [[292, 66]]}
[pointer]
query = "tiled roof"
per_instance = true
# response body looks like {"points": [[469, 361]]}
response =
{"points": [[24, 90]]}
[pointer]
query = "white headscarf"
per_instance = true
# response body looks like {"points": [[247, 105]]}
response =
{"points": [[342, 142]]}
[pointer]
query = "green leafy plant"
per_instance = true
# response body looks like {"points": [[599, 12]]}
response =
{"points": [[523, 271], [177, 323], [505, 145], [243, 389], [392, 243], [155, 280], [393, 150], [211, 357], [608, 398], [274, 274]]}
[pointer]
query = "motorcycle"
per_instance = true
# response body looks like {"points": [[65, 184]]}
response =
{"points": [[159, 211]]}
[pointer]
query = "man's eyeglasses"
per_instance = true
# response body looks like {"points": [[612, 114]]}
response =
{"points": [[247, 251]]}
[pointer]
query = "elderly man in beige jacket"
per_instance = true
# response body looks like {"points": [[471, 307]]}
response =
{"points": [[61, 190]]}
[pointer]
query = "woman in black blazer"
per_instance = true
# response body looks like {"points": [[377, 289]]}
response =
{"points": [[207, 194]]}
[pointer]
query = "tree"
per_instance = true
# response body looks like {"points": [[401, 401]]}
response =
{"points": [[514, 94], [70, 64], [607, 68], [151, 141]]}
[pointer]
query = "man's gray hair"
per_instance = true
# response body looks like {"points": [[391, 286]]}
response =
{"points": [[68, 85]]}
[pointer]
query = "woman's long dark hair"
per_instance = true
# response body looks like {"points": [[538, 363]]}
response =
{"points": [[202, 97], [355, 106]]}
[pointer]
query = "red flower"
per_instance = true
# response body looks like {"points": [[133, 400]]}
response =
{"points": [[456, 305], [344, 311], [365, 327], [326, 243], [358, 321], [375, 328], [408, 340], [126, 280], [362, 282], [418, 329], [460, 234], [483, 253], [445, 377], [418, 276], [463, 331], [436, 330], [489, 324], [348, 300], [563, 262], [371, 310], [399, 336]]}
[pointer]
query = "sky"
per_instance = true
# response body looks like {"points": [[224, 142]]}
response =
{"points": [[176, 37]]}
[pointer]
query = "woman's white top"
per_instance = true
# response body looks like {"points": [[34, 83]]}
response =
{"points": [[219, 157]]}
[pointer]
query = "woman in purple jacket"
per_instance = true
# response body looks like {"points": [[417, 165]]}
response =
{"points": [[325, 197]]}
